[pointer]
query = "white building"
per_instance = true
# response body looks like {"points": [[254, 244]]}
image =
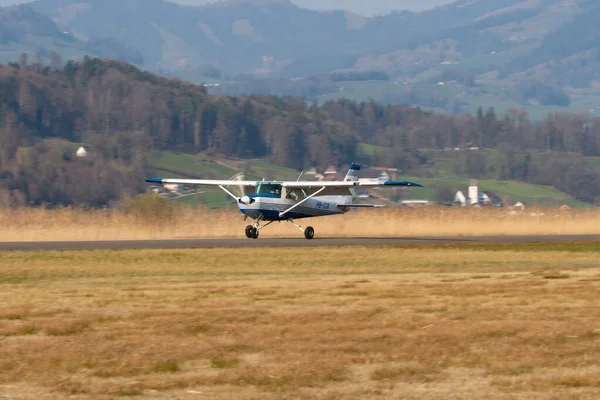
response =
{"points": [[81, 152], [415, 203], [460, 198], [173, 188], [475, 197], [384, 176]]}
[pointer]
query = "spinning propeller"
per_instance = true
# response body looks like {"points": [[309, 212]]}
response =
{"points": [[243, 198]]}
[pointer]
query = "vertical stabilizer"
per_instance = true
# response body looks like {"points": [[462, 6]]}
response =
{"points": [[352, 175]]}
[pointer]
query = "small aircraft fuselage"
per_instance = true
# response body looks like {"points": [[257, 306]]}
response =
{"points": [[271, 199]]}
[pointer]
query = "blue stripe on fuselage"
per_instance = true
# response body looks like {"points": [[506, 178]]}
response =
{"points": [[273, 215], [302, 209], [264, 195]]}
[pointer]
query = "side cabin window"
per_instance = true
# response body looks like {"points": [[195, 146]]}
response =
{"points": [[272, 189], [295, 194]]}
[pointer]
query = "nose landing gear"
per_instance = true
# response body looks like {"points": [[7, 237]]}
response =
{"points": [[251, 232]]}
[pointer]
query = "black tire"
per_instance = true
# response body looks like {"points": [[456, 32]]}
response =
{"points": [[254, 233], [249, 231], [309, 232]]}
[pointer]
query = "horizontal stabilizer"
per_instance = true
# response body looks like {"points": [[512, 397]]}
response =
{"points": [[359, 206]]}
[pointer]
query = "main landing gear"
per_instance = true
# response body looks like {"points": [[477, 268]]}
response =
{"points": [[252, 232], [309, 232]]}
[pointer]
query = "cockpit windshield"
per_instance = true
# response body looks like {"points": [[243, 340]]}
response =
{"points": [[269, 188]]}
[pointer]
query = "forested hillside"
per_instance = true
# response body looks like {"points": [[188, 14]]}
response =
{"points": [[123, 115]]}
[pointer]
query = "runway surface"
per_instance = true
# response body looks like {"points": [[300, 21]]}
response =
{"points": [[269, 242]]}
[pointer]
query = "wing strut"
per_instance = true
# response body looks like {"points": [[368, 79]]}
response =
{"points": [[228, 192], [281, 214]]}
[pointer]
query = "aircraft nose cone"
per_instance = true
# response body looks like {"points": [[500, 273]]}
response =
{"points": [[246, 200]]}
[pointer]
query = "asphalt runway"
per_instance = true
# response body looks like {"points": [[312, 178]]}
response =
{"points": [[274, 243]]}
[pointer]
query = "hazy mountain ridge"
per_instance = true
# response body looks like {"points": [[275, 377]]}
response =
{"points": [[277, 38], [21, 25], [24, 30], [237, 37], [569, 54], [512, 45]]}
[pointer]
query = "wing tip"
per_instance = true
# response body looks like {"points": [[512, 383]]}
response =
{"points": [[402, 183], [154, 180]]}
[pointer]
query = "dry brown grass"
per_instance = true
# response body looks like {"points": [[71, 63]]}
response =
{"points": [[68, 224], [334, 323]]}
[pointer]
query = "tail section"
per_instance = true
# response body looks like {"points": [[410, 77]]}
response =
{"points": [[352, 174]]}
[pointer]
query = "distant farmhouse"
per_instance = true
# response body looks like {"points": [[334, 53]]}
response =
{"points": [[475, 197]]}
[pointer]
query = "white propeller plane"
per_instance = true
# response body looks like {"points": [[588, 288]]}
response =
{"points": [[273, 201]]}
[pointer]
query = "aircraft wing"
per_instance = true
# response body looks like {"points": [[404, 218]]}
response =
{"points": [[343, 187], [202, 182], [309, 187]]}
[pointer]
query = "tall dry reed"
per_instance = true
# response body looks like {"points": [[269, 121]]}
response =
{"points": [[35, 224]]}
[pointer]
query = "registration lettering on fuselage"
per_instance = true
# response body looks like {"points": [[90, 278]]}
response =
{"points": [[322, 205]]}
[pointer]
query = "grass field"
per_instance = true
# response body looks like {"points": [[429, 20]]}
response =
{"points": [[496, 322], [29, 224]]}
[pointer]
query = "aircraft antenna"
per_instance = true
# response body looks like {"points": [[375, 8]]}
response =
{"points": [[300, 176]]}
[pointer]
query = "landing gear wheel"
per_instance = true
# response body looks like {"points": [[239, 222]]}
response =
{"points": [[309, 232], [249, 231], [254, 233]]}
